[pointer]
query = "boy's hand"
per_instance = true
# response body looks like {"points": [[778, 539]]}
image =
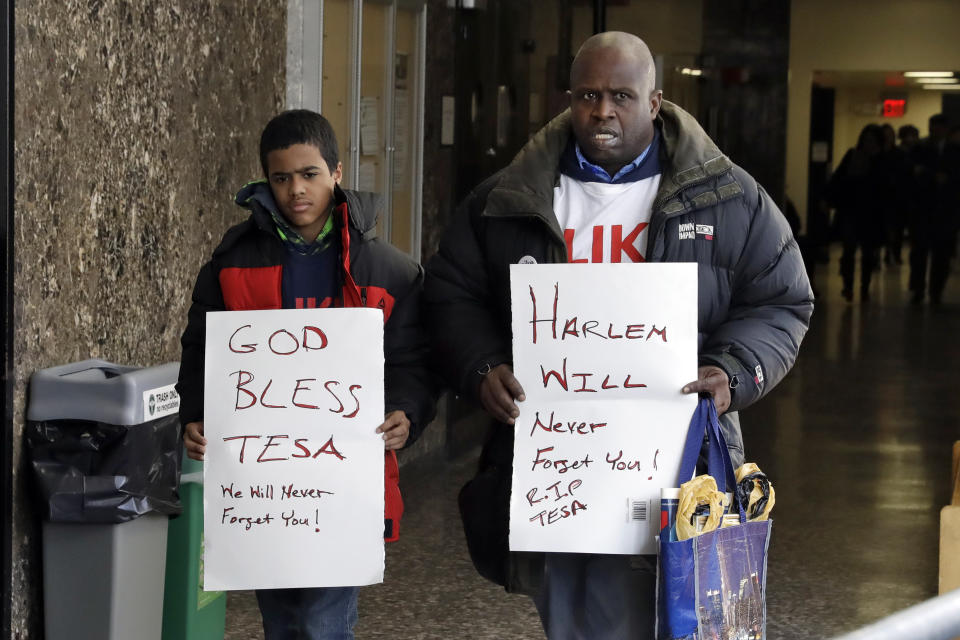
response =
{"points": [[194, 441], [498, 392], [712, 380], [395, 430]]}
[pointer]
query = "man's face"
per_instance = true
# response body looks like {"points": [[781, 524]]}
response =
{"points": [[302, 186], [612, 107]]}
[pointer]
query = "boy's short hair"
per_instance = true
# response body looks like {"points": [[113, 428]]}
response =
{"points": [[299, 126]]}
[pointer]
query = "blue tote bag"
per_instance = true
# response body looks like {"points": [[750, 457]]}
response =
{"points": [[714, 584]]}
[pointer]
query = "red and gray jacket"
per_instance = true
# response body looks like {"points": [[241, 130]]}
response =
{"points": [[245, 273]]}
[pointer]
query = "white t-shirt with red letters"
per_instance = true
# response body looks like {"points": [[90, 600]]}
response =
{"points": [[605, 222]]}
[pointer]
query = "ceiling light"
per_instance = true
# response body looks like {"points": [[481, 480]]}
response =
{"points": [[928, 74], [937, 81], [942, 87], [691, 72]]}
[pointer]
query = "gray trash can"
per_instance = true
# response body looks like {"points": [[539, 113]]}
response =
{"points": [[104, 444]]}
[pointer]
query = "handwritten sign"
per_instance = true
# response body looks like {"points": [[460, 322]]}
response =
{"points": [[602, 351], [293, 477]]}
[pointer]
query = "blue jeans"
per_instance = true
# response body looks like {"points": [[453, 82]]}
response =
{"points": [[598, 597], [327, 613]]}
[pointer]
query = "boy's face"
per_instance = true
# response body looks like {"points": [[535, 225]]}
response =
{"points": [[303, 186]]}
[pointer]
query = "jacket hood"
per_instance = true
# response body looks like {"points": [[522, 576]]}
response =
{"points": [[363, 207], [256, 191], [525, 186], [688, 153]]}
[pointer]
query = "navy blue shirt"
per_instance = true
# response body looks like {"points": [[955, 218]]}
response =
{"points": [[311, 280]]}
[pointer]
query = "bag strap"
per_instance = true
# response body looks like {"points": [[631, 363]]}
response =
{"points": [[691, 448], [706, 424], [718, 447]]}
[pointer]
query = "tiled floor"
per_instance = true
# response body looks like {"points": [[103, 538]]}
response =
{"points": [[430, 589], [856, 440]]}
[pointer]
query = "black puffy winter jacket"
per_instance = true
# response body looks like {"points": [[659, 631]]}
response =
{"points": [[754, 302]]}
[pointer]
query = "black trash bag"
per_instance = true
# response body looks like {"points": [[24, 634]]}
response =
{"points": [[94, 472]]}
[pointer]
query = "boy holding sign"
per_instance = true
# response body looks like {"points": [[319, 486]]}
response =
{"points": [[310, 244]]}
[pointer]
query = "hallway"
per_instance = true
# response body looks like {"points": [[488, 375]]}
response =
{"points": [[856, 441]]}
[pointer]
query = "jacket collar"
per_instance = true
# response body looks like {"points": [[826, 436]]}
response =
{"points": [[687, 156], [363, 208], [526, 185]]}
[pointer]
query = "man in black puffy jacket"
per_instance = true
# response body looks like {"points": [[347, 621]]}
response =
{"points": [[621, 176]]}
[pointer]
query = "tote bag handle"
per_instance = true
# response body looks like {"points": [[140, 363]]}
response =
{"points": [[705, 424]]}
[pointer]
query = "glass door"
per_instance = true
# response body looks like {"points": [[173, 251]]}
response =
{"points": [[370, 87]]}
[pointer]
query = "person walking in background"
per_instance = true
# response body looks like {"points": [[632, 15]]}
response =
{"points": [[909, 136], [896, 173], [934, 229], [857, 190]]}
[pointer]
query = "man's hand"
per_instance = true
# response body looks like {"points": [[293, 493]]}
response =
{"points": [[395, 429], [712, 380], [194, 441], [498, 393]]}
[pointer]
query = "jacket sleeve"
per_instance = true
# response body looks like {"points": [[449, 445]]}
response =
{"points": [[467, 337], [207, 296], [769, 311], [408, 383]]}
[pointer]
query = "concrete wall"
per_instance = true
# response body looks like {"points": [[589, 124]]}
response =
{"points": [[134, 124], [864, 35]]}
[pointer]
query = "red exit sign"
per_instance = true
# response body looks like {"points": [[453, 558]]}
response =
{"points": [[894, 108]]}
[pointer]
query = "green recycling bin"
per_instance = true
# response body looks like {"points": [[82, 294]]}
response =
{"points": [[189, 612]]}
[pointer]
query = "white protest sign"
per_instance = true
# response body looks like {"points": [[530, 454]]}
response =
{"points": [[602, 351], [293, 473]]}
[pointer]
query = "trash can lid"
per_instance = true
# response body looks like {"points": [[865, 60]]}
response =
{"points": [[104, 392]]}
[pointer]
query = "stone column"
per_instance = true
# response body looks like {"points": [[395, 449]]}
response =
{"points": [[135, 123]]}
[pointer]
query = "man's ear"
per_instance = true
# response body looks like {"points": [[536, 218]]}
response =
{"points": [[338, 174], [656, 99]]}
